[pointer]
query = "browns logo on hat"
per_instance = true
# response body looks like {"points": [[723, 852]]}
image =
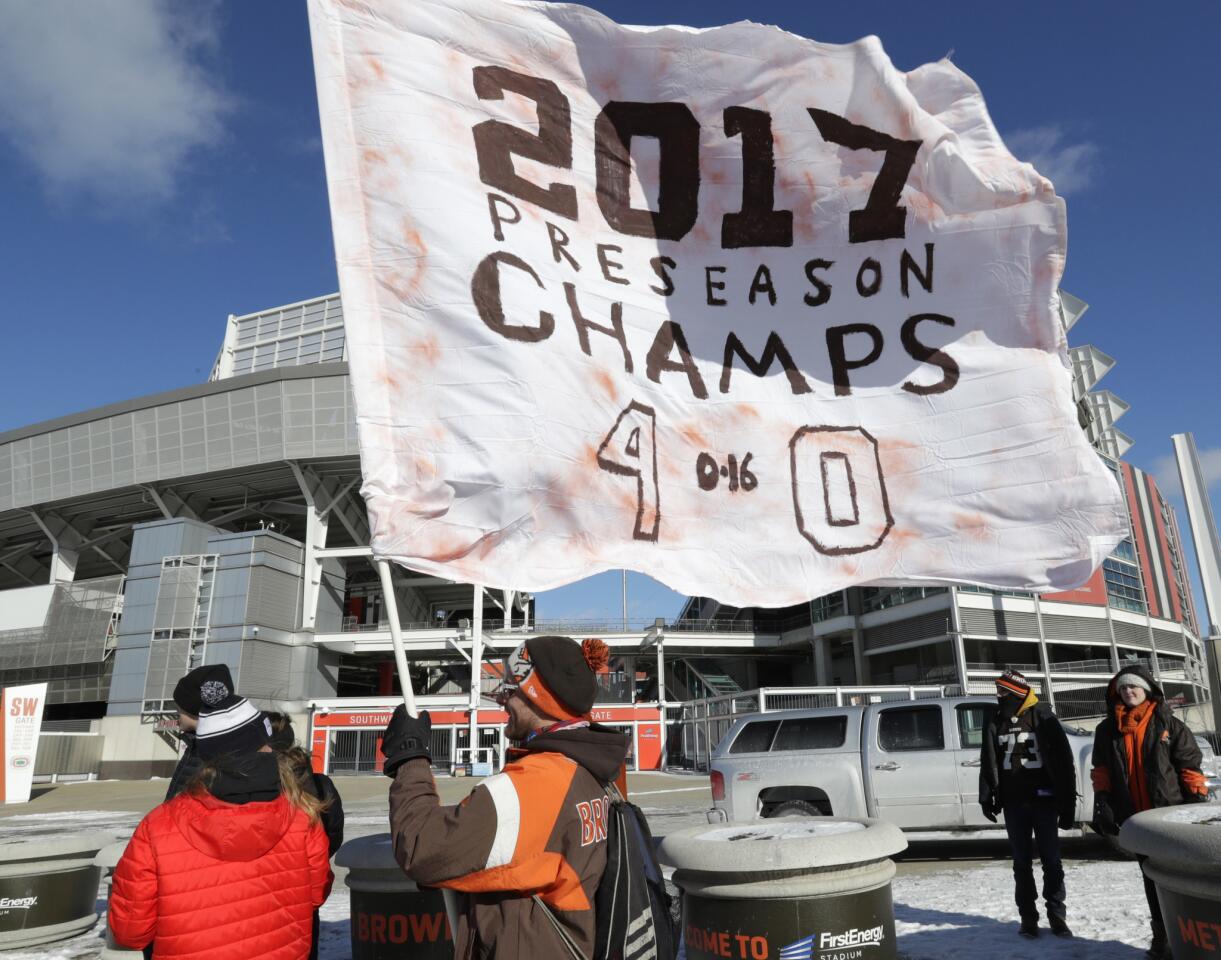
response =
{"points": [[1011, 683], [556, 674]]}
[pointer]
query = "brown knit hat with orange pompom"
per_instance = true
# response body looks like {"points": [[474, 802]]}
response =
{"points": [[558, 675]]}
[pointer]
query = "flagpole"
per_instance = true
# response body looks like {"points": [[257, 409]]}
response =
{"points": [[396, 636], [453, 906]]}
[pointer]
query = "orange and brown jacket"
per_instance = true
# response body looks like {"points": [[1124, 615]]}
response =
{"points": [[1154, 763], [539, 827]]}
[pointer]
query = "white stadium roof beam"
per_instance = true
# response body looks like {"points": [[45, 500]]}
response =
{"points": [[171, 505]]}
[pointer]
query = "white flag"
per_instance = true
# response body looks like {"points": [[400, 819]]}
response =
{"points": [[758, 316]]}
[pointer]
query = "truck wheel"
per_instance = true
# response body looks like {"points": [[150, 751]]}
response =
{"points": [[796, 808]]}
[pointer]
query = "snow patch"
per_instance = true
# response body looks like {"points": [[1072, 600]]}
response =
{"points": [[35, 827], [970, 913], [75, 816], [797, 829], [1203, 813]]}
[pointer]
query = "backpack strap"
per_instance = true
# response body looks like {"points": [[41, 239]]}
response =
{"points": [[559, 928]]}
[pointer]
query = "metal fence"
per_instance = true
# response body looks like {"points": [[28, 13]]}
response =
{"points": [[70, 756]]}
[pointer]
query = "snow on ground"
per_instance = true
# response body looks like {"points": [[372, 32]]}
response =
{"points": [[118, 823], [334, 938], [782, 830], [968, 914], [1203, 813]]}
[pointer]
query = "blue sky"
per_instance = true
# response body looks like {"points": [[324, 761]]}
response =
{"points": [[162, 169]]}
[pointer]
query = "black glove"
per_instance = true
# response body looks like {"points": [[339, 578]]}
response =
{"points": [[405, 738], [1067, 819], [1104, 817], [989, 811]]}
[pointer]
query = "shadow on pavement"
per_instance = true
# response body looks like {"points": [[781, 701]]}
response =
{"points": [[946, 935], [1091, 847]]}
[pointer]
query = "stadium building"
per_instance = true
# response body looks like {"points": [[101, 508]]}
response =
{"points": [[222, 522]]}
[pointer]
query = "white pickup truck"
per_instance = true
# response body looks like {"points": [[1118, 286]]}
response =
{"points": [[914, 763]]}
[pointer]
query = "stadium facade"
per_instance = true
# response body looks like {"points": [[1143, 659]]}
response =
{"points": [[222, 522]]}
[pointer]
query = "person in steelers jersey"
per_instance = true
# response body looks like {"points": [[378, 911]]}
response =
{"points": [[1027, 775]]}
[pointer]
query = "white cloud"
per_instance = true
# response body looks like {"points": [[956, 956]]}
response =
{"points": [[108, 99], [1166, 471], [1070, 166]]}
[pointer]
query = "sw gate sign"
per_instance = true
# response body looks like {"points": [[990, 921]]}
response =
{"points": [[758, 316]]}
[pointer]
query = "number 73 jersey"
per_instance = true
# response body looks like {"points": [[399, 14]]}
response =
{"points": [[1023, 772]]}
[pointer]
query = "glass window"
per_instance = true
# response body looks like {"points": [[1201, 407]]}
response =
{"points": [[911, 728], [1125, 550], [1123, 584], [972, 718], [812, 733], [826, 607], [755, 737]]}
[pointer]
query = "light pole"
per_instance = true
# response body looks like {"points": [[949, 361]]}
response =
{"points": [[624, 573], [656, 634]]}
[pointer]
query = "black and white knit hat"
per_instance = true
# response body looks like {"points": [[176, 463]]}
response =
{"points": [[228, 724], [188, 694]]}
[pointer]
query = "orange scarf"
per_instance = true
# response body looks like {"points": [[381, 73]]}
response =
{"points": [[1132, 723]]}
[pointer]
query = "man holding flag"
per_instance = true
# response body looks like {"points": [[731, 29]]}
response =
{"points": [[536, 829]]}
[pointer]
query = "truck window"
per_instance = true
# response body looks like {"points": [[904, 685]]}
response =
{"points": [[911, 728], [972, 718], [811, 733], [755, 737]]}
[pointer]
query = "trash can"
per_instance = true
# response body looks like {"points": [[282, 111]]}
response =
{"points": [[1182, 847], [48, 887], [391, 916], [794, 888], [106, 860]]}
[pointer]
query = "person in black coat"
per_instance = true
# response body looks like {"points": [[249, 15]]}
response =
{"points": [[283, 740], [1027, 774], [214, 681], [1144, 757]]}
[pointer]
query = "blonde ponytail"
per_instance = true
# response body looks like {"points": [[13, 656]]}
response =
{"points": [[294, 768]]}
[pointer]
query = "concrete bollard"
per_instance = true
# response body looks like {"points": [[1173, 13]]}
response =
{"points": [[106, 860], [794, 888], [1183, 850], [391, 917], [48, 887]]}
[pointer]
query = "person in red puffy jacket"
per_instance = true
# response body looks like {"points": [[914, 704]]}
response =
{"points": [[234, 866]]}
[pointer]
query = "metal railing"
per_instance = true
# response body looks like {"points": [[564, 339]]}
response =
{"points": [[1082, 666], [1083, 709], [1001, 665], [694, 729], [888, 597], [563, 627]]}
